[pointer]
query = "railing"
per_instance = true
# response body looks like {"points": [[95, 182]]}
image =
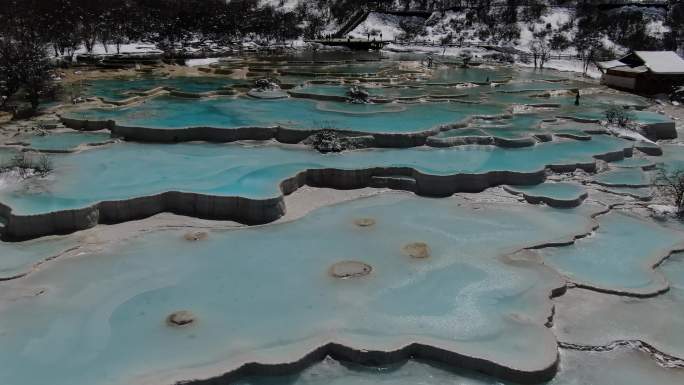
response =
{"points": [[357, 18], [505, 50], [459, 5]]}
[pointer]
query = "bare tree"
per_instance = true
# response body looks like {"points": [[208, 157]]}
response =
{"points": [[24, 66], [541, 51], [619, 116], [587, 47], [670, 183]]}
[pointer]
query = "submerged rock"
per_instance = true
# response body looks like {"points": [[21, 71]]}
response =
{"points": [[198, 236], [180, 318], [326, 141], [267, 89], [358, 95], [350, 269], [417, 250], [331, 141], [266, 84], [677, 95], [364, 222]]}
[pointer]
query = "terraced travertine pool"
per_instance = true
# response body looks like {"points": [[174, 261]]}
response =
{"points": [[281, 274], [524, 245], [132, 170], [118, 89], [172, 113]]}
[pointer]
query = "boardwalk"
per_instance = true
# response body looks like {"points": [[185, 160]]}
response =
{"points": [[355, 44]]}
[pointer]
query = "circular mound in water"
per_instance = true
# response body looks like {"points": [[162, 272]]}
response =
{"points": [[180, 319], [198, 236], [364, 222], [417, 250], [350, 269]]}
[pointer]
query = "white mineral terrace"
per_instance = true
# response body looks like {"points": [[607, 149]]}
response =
{"points": [[481, 225]]}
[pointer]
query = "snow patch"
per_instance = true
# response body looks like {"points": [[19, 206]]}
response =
{"points": [[628, 134], [568, 66], [201, 62], [380, 24]]}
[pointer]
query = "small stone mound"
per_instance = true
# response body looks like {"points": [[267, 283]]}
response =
{"points": [[365, 222], [180, 319], [358, 95], [267, 84], [417, 250], [350, 269], [198, 236]]}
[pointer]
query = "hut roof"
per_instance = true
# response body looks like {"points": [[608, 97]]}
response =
{"points": [[658, 62]]}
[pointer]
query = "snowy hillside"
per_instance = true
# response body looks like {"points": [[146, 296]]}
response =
{"points": [[497, 23]]}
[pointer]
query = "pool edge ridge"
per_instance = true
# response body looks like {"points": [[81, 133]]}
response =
{"points": [[413, 350]]}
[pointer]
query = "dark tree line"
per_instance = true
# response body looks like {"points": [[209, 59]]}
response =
{"points": [[65, 25], [33, 30]]}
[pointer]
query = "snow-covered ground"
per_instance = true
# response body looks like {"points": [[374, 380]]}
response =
{"points": [[380, 24], [201, 62], [556, 19], [285, 5], [130, 48], [441, 26], [454, 27], [437, 50], [569, 66]]}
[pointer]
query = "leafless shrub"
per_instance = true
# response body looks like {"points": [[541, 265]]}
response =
{"points": [[618, 116], [27, 165], [670, 183]]}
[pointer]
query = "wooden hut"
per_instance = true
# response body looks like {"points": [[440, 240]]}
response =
{"points": [[644, 72]]}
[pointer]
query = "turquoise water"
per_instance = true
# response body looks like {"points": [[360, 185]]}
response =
{"points": [[19, 258], [322, 55], [467, 75], [650, 117], [227, 112], [642, 193], [132, 169], [630, 177], [603, 99], [536, 86], [264, 294], [460, 132], [570, 126], [401, 92], [382, 92], [67, 140], [613, 99], [560, 191], [605, 259], [672, 158], [642, 117], [596, 319], [331, 372], [634, 162], [575, 133], [6, 154], [170, 112], [620, 367], [348, 69], [97, 317], [116, 89], [324, 89], [519, 126]]}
